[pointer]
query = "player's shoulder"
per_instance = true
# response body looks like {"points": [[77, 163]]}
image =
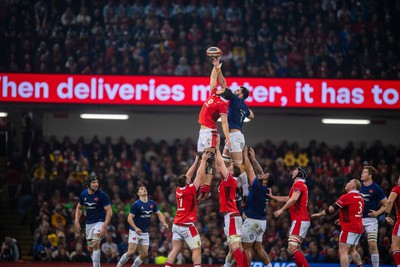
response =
{"points": [[102, 193], [152, 202], [396, 189], [84, 193]]}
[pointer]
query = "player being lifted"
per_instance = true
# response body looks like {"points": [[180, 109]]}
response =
{"points": [[238, 111], [214, 107]]}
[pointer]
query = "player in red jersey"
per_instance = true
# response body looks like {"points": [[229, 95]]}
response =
{"points": [[184, 229], [395, 199], [351, 207], [297, 203], [214, 107], [227, 207]]}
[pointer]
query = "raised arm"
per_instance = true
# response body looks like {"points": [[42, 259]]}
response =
{"points": [[201, 170], [192, 170], [214, 74], [220, 76], [257, 167], [219, 162], [249, 168], [225, 129]]}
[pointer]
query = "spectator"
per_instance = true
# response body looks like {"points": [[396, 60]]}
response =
{"points": [[10, 250], [314, 255], [79, 255]]}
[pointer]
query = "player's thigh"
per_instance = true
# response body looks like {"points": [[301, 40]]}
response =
{"points": [[299, 228]]}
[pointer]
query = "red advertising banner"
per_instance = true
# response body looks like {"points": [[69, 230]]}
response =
{"points": [[193, 91]]}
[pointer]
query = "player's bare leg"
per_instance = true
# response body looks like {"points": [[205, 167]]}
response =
{"points": [[205, 189]]}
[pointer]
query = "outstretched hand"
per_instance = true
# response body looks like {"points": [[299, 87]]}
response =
{"points": [[216, 62], [252, 153], [316, 215]]}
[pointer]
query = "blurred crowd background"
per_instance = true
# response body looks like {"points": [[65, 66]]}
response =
{"points": [[307, 38], [314, 38], [44, 188]]}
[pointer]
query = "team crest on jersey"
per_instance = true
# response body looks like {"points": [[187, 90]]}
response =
{"points": [[96, 199], [134, 238], [84, 199], [151, 206], [371, 191], [142, 208]]}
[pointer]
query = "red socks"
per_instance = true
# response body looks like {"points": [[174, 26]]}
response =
{"points": [[245, 259], [238, 255], [396, 256], [299, 259]]}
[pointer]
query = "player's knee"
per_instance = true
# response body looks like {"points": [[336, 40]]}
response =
{"points": [[237, 162], [293, 243], [372, 239], [144, 254], [234, 239], [226, 158]]}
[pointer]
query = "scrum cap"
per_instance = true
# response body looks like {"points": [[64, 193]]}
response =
{"points": [[90, 179], [301, 173]]}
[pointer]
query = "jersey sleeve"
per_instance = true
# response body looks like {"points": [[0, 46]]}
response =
{"points": [[81, 199], [343, 201], [105, 200], [155, 207], [134, 209], [298, 187], [396, 190], [381, 195]]}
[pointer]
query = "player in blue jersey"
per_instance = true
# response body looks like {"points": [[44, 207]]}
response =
{"points": [[98, 216], [139, 223], [255, 210], [375, 204], [238, 111]]}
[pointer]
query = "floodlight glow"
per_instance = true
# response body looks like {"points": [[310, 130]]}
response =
{"points": [[90, 116], [346, 121]]}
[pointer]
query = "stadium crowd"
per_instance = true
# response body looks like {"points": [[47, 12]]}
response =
{"points": [[327, 39], [57, 169]]}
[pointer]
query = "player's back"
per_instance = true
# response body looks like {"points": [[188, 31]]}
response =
{"points": [[227, 195], [352, 206], [257, 203], [237, 112], [186, 204]]}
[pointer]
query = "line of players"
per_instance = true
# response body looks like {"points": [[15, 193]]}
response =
{"points": [[358, 207]]}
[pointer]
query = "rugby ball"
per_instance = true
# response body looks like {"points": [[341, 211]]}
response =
{"points": [[214, 51]]}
